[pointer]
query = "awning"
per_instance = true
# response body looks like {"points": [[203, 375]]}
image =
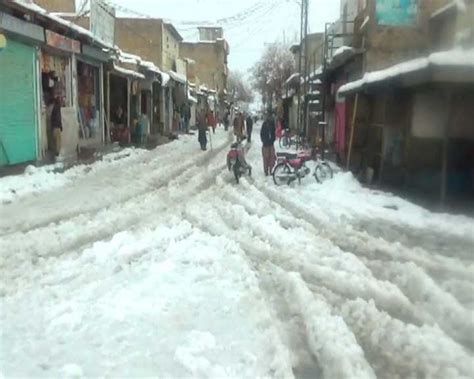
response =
{"points": [[165, 79], [453, 66], [192, 99], [177, 77], [129, 73]]}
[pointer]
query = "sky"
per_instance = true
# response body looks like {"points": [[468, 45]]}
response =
{"points": [[248, 24]]}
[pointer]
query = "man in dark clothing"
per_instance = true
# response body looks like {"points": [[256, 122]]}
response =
{"points": [[267, 135], [249, 123], [57, 125], [202, 129]]}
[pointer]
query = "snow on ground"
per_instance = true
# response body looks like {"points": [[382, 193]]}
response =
{"points": [[155, 263]]}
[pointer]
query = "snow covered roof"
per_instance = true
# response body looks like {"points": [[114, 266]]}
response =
{"points": [[128, 72], [292, 77], [449, 60], [80, 31], [456, 5], [177, 77]]}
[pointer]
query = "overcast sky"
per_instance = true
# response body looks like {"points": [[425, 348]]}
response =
{"points": [[258, 21]]}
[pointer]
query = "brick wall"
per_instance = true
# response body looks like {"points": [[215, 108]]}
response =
{"points": [[57, 5], [210, 66]]}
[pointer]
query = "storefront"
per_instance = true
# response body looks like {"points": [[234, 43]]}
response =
{"points": [[19, 102], [123, 103], [90, 102], [58, 68]]}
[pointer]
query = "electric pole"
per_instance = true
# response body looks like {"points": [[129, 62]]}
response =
{"points": [[302, 75]]}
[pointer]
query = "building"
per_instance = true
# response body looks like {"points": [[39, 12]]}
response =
{"points": [[404, 89], [210, 57], [63, 6]]}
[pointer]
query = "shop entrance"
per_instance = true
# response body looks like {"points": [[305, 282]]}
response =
{"points": [[55, 83], [118, 95], [88, 87]]}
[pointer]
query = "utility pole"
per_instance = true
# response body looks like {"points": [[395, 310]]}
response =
{"points": [[306, 73], [300, 51]]}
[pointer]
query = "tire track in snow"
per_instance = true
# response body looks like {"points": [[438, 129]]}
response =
{"points": [[151, 180], [362, 243], [443, 339], [64, 237]]}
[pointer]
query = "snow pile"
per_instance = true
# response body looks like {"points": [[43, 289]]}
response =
{"points": [[41, 179], [453, 58], [329, 337]]}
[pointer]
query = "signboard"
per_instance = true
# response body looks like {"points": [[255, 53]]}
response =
{"points": [[60, 42], [102, 21], [22, 28], [396, 12]]}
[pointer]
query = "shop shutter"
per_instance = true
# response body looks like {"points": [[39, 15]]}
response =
{"points": [[17, 104]]}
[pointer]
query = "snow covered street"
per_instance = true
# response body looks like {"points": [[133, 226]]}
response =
{"points": [[156, 264]]}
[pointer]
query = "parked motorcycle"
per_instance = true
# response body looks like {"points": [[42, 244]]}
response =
{"points": [[291, 167], [236, 162]]}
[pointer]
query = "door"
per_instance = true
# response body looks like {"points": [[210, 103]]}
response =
{"points": [[18, 115]]}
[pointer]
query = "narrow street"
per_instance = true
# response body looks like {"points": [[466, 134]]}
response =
{"points": [[158, 262]]}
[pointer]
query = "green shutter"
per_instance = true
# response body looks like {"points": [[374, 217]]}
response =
{"points": [[18, 120]]}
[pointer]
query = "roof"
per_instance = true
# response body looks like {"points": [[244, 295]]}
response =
{"points": [[173, 31], [41, 12], [450, 8], [126, 72], [177, 77], [455, 65]]}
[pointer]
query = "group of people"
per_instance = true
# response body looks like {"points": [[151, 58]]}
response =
{"points": [[206, 120]]}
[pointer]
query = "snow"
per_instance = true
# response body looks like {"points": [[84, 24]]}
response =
{"points": [[365, 22], [450, 58], [128, 72], [155, 263], [178, 77], [340, 51]]}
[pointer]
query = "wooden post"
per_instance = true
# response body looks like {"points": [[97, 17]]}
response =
{"points": [[354, 115], [108, 126]]}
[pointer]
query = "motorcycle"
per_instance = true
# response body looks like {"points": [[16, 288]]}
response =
{"points": [[236, 162], [291, 167]]}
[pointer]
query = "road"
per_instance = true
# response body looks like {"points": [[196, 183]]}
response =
{"points": [[157, 263]]}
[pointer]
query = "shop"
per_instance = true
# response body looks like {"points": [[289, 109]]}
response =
{"points": [[20, 139], [89, 101], [123, 103], [57, 74]]}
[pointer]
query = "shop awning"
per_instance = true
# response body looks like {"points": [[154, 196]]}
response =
{"points": [[127, 72], [453, 66], [177, 77]]}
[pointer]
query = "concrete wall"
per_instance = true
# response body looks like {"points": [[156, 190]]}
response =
{"points": [[389, 45], [170, 46], [142, 37], [211, 62], [57, 5]]}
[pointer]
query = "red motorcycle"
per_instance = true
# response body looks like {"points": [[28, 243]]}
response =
{"points": [[291, 167], [236, 161]]}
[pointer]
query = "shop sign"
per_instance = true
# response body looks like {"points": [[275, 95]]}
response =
{"points": [[60, 42], [22, 28], [3, 43], [396, 12], [102, 21]]}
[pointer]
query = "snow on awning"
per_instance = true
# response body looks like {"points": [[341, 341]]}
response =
{"points": [[192, 99], [177, 77], [79, 30], [453, 66], [292, 78], [127, 72]]}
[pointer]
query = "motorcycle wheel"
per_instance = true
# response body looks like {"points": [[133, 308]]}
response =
{"points": [[281, 174], [323, 172], [237, 172]]}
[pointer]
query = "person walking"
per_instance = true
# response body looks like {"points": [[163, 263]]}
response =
{"points": [[267, 135], [57, 125], [249, 124], [211, 121], [239, 126], [202, 130]]}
